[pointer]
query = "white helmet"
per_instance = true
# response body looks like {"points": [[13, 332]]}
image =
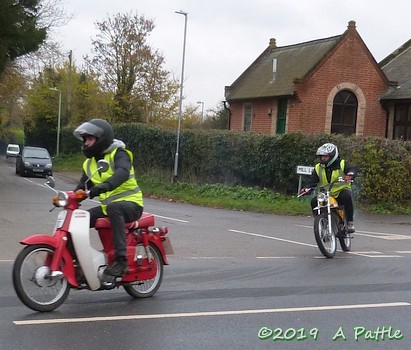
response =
{"points": [[327, 149]]}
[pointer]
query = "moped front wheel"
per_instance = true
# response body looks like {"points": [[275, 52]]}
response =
{"points": [[326, 242], [147, 288], [33, 282]]}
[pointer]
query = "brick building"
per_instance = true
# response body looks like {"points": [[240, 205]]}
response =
{"points": [[331, 85], [397, 100]]}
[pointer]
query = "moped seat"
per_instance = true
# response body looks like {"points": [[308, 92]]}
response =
{"points": [[146, 220]]}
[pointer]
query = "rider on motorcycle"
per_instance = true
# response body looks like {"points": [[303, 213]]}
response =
{"points": [[118, 191], [329, 169]]}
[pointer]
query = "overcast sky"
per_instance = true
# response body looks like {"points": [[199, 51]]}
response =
{"points": [[225, 36]]}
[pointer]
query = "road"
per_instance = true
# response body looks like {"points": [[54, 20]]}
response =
{"points": [[236, 280]]}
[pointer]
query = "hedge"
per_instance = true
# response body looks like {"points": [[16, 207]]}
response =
{"points": [[263, 161]]}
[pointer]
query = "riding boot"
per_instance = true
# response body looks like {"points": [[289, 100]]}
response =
{"points": [[117, 268]]}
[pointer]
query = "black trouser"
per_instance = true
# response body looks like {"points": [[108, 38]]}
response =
{"points": [[119, 213], [345, 199]]}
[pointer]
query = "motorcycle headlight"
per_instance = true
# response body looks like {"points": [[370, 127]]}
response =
{"points": [[60, 200], [321, 198]]}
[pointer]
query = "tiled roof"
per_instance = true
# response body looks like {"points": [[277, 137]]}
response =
{"points": [[397, 68], [293, 63]]}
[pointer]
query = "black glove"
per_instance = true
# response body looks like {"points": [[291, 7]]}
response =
{"points": [[97, 190]]}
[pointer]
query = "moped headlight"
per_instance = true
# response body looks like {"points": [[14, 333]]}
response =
{"points": [[60, 200], [321, 198]]}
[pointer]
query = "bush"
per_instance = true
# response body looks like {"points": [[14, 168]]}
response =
{"points": [[263, 161]]}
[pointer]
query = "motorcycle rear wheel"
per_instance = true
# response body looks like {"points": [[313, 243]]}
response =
{"points": [[345, 239], [147, 288], [326, 242], [32, 281]]}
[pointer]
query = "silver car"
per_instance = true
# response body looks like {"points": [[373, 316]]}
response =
{"points": [[12, 150]]}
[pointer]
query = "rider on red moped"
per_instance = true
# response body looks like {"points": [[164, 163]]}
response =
{"points": [[121, 198]]}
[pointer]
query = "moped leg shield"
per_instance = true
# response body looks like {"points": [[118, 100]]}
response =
{"points": [[90, 259]]}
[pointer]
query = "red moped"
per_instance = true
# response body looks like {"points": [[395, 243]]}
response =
{"points": [[49, 266]]}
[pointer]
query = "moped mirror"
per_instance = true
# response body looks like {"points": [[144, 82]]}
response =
{"points": [[102, 165], [51, 182]]}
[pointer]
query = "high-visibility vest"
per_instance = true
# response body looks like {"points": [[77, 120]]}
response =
{"points": [[127, 191], [338, 186]]}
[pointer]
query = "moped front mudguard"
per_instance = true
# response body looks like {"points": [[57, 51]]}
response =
{"points": [[68, 267]]}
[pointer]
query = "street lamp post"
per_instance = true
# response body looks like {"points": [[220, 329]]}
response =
{"points": [[180, 110], [58, 121], [202, 109]]}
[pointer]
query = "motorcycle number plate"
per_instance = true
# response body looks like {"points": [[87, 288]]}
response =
{"points": [[168, 248]]}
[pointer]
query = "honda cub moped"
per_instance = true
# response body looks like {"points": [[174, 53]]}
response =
{"points": [[49, 266]]}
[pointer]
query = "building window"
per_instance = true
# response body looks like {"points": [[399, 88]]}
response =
{"points": [[281, 115], [402, 121], [248, 113], [344, 117]]}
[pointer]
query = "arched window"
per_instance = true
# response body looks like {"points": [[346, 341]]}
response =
{"points": [[344, 117]]}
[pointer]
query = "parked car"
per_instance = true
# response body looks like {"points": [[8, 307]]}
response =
{"points": [[12, 150], [34, 161]]}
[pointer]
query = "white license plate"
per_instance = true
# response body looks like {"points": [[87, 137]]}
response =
{"points": [[168, 248]]}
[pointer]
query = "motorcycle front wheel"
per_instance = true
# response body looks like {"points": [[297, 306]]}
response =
{"points": [[326, 242], [147, 288], [32, 280]]}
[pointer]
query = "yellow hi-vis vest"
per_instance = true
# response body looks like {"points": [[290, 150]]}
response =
{"points": [[338, 186], [127, 191]]}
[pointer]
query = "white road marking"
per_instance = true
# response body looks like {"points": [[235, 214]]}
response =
{"points": [[368, 254], [168, 218], [96, 201], [373, 234], [275, 257], [207, 313], [376, 255], [274, 238]]}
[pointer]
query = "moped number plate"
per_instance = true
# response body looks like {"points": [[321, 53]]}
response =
{"points": [[168, 248]]}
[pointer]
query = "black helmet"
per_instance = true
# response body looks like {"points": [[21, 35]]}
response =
{"points": [[101, 130], [327, 149]]}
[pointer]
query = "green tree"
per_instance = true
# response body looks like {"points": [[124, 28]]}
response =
{"points": [[217, 118], [20, 32], [131, 70]]}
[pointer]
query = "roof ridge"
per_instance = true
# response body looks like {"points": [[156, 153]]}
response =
{"points": [[315, 41], [396, 53]]}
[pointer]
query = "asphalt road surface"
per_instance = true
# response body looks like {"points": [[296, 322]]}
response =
{"points": [[236, 280]]}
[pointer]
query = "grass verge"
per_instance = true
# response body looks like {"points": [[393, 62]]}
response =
{"points": [[222, 196]]}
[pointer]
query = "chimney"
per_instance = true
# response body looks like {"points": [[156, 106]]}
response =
{"points": [[351, 25], [273, 44]]}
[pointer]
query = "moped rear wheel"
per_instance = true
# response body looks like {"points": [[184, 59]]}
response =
{"points": [[147, 288], [345, 241], [345, 238], [326, 242], [32, 280]]}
